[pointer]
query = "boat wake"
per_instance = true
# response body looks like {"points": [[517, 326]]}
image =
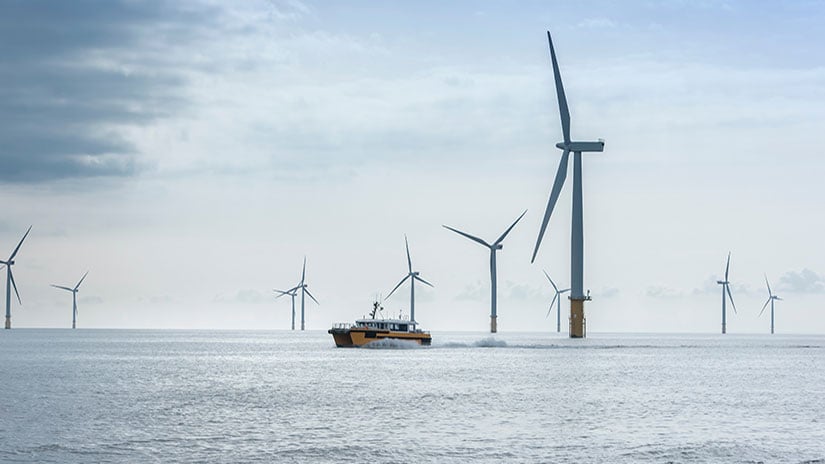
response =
{"points": [[392, 344], [488, 342]]}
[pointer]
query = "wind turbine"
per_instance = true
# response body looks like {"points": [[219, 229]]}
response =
{"points": [[293, 292], [304, 290], [577, 296], [726, 289], [74, 297], [413, 276], [10, 279], [557, 300], [493, 248], [771, 299]]}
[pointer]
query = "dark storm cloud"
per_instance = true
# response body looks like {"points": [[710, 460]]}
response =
{"points": [[72, 73]]}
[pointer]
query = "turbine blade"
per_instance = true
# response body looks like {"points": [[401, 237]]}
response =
{"points": [[280, 293], [304, 271], [769, 285], [409, 261], [81, 280], [471, 237], [727, 267], [62, 287], [14, 284], [763, 307], [313, 298], [561, 175], [501, 239], [399, 284], [551, 281], [551, 305], [423, 281], [565, 290], [727, 287], [14, 253], [564, 112]]}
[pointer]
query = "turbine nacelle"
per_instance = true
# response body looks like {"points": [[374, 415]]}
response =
{"points": [[722, 282], [582, 146], [498, 247]]}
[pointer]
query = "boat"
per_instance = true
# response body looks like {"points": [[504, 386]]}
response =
{"points": [[373, 329]]}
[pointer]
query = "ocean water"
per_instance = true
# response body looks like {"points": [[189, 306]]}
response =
{"points": [[279, 396]]}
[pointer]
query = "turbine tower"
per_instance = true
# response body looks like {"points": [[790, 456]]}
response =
{"points": [[305, 291], [10, 279], [771, 299], [413, 276], [726, 294], [493, 248], [557, 300], [577, 295], [293, 292], [74, 297]]}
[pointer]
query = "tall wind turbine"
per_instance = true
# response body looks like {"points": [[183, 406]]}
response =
{"points": [[725, 295], [304, 291], [10, 279], [413, 276], [293, 292], [577, 296], [74, 297], [771, 299], [493, 248], [557, 300]]}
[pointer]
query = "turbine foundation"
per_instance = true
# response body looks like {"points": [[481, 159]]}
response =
{"points": [[8, 322], [493, 324], [577, 323]]}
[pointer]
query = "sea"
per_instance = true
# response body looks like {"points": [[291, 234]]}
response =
{"points": [[134, 396]]}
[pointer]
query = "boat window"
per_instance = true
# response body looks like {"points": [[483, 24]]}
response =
{"points": [[403, 327]]}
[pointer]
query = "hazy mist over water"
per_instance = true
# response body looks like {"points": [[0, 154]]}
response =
{"points": [[277, 396]]}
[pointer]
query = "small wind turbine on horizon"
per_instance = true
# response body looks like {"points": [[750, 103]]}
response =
{"points": [[413, 276], [305, 291], [10, 279], [577, 295], [726, 294], [557, 300], [74, 297], [771, 299], [497, 245], [292, 292]]}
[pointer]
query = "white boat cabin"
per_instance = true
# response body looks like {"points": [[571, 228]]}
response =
{"points": [[396, 325]]}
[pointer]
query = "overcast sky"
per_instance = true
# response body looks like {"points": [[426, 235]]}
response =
{"points": [[190, 154]]}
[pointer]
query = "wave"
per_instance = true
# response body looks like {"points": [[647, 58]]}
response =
{"points": [[392, 344]]}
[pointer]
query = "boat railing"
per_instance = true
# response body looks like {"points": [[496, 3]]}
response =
{"points": [[342, 325]]}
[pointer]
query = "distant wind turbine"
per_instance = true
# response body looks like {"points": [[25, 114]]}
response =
{"points": [[413, 276], [577, 296], [557, 300], [10, 279], [293, 292], [304, 290], [771, 299], [74, 297], [493, 248], [725, 295]]}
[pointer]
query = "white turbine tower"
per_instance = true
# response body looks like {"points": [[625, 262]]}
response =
{"points": [[493, 249], [413, 276], [292, 292], [725, 295], [577, 295], [771, 299], [74, 297], [557, 300], [10, 279], [305, 291]]}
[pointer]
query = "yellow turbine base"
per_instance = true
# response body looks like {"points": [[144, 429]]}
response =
{"points": [[577, 323]]}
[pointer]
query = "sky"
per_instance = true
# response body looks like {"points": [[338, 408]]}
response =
{"points": [[189, 155]]}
